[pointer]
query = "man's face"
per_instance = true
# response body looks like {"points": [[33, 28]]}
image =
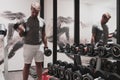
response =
{"points": [[104, 19], [34, 12]]}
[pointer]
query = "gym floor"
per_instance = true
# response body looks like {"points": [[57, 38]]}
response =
{"points": [[17, 75]]}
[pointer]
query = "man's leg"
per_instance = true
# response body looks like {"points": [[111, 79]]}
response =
{"points": [[39, 70], [28, 54], [26, 71]]}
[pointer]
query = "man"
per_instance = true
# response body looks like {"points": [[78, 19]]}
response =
{"points": [[34, 34], [102, 34]]}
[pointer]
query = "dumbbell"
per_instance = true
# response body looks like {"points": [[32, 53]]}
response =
{"points": [[107, 66], [56, 68], [47, 52], [82, 49], [104, 51], [65, 48], [90, 49], [50, 68], [115, 50], [3, 30], [21, 28], [114, 67], [93, 62], [102, 74], [81, 71], [77, 75], [99, 78], [78, 49], [73, 48], [87, 77], [62, 69], [114, 76], [69, 71]]}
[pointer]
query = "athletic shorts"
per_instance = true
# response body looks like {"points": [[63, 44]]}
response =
{"points": [[32, 52]]}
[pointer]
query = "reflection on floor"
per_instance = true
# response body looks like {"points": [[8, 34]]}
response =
{"points": [[17, 75]]}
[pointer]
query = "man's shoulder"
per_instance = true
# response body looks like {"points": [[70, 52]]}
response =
{"points": [[41, 21]]}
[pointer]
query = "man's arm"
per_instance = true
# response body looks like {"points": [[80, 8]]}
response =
{"points": [[44, 38], [93, 39]]}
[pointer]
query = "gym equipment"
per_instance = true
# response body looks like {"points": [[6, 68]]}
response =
{"points": [[56, 68], [115, 50], [47, 51], [114, 76], [87, 77], [73, 48], [93, 62], [21, 28], [81, 49], [90, 49], [69, 71], [114, 67], [99, 78], [50, 68], [65, 48], [62, 69], [102, 74], [77, 75]]}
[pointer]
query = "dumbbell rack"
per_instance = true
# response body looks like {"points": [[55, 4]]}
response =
{"points": [[99, 64], [77, 61]]}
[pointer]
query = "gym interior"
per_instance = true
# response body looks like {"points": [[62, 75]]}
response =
{"points": [[69, 28]]}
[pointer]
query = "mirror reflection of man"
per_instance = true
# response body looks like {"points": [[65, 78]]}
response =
{"points": [[101, 34]]}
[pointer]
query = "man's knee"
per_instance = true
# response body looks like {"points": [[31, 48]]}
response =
{"points": [[27, 66]]}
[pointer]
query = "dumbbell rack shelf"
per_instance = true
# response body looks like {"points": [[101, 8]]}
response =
{"points": [[98, 65], [109, 58]]}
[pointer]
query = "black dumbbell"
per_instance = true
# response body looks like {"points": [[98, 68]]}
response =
{"points": [[81, 70], [82, 49], [67, 48], [74, 48], [56, 68], [77, 75], [87, 77], [107, 66], [114, 76], [50, 68], [115, 50], [47, 51], [62, 69], [102, 74], [69, 71], [114, 67], [93, 62], [90, 49], [21, 28]]}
